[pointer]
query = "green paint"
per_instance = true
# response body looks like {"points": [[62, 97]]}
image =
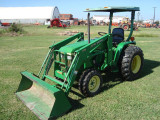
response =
{"points": [[119, 49], [73, 47], [45, 100]]}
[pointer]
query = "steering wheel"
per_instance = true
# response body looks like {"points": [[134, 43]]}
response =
{"points": [[101, 33]]}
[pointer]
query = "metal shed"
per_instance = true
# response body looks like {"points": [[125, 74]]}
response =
{"points": [[28, 15], [105, 18]]}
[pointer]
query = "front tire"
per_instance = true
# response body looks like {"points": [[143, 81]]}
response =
{"points": [[91, 83], [132, 62]]}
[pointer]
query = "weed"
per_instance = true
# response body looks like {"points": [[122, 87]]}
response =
{"points": [[16, 28]]}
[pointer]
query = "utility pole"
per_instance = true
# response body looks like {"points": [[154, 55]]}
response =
{"points": [[138, 14], [154, 14]]}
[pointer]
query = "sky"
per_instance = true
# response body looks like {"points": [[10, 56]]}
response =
{"points": [[76, 7]]}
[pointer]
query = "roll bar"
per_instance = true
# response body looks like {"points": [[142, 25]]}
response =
{"points": [[110, 24]]}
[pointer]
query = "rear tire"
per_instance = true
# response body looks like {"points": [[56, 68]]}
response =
{"points": [[132, 62], [125, 27], [90, 83]]}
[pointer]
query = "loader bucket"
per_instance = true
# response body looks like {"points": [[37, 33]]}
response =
{"points": [[45, 100]]}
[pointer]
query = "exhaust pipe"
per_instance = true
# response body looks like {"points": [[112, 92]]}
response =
{"points": [[88, 27]]}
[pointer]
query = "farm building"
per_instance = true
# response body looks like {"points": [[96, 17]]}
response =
{"points": [[66, 16], [105, 18], [28, 15], [69, 18]]}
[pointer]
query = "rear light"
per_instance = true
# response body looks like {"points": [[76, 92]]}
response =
{"points": [[132, 39]]}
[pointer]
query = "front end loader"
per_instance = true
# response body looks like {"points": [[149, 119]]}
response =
{"points": [[82, 61]]}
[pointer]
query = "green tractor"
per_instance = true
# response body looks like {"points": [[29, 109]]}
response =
{"points": [[82, 61]]}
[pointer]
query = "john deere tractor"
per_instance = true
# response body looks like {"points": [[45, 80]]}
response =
{"points": [[82, 61]]}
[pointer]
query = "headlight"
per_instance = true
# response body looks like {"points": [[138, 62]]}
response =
{"points": [[69, 57]]}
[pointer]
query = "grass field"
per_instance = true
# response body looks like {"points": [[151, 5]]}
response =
{"points": [[139, 99]]}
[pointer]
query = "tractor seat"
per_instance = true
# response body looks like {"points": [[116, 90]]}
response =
{"points": [[117, 35]]}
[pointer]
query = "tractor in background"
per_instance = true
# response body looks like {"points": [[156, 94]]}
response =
{"points": [[126, 24], [84, 61], [56, 22]]}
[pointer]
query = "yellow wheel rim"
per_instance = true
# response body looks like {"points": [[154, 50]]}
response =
{"points": [[136, 64], [94, 83]]}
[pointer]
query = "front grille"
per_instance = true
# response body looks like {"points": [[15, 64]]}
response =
{"points": [[68, 58]]}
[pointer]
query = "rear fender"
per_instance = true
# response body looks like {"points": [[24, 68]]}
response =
{"points": [[119, 49]]}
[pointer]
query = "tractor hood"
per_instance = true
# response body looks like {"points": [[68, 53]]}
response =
{"points": [[73, 47]]}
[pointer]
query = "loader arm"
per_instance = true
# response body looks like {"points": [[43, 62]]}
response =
{"points": [[45, 100], [81, 56], [49, 57], [66, 41]]}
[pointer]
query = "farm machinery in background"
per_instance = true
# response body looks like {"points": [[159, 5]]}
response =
{"points": [[149, 25], [84, 61], [82, 22], [5, 24], [126, 24], [57, 23]]}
